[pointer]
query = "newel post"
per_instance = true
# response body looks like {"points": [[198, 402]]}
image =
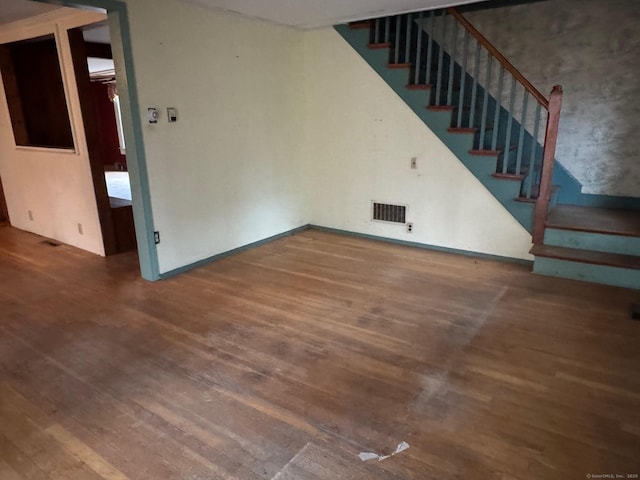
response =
{"points": [[548, 157]]}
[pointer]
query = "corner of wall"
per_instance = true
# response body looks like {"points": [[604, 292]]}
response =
{"points": [[360, 138]]}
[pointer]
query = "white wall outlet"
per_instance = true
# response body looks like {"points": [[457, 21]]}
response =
{"points": [[80, 229], [30, 215], [414, 163], [409, 227]]}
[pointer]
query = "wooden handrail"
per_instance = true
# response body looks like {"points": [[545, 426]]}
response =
{"points": [[548, 158], [500, 57]]}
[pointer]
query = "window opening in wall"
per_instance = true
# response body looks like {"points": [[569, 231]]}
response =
{"points": [[35, 93]]}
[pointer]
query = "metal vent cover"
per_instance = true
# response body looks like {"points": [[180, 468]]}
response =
{"points": [[385, 212]]}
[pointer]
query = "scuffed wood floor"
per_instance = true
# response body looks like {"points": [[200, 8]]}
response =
{"points": [[286, 361]]}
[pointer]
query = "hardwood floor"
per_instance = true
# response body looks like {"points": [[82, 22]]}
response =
{"points": [[288, 360]]}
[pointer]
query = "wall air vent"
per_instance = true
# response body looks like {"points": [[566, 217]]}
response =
{"points": [[384, 212]]}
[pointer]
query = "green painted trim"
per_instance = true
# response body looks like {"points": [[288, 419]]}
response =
{"points": [[220, 256], [425, 246], [132, 121]]}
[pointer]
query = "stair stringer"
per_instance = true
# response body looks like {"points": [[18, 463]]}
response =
{"points": [[439, 121]]}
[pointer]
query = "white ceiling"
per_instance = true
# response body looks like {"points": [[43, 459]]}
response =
{"points": [[98, 33], [303, 14], [308, 14], [13, 10]]}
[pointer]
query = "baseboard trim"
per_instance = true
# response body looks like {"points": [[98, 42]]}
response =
{"points": [[425, 246], [220, 256]]}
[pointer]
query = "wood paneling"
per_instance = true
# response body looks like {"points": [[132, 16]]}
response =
{"points": [[98, 50], [125, 230], [92, 135], [36, 97], [12, 93], [287, 360]]}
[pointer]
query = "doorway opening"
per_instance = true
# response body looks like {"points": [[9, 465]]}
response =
{"points": [[112, 124], [98, 88]]}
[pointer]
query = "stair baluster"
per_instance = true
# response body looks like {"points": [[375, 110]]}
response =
{"points": [[441, 58], [485, 104], [532, 155], [418, 51], [452, 62], [430, 46], [507, 139], [474, 89], [523, 123], [463, 78], [387, 29], [397, 57], [407, 47]]}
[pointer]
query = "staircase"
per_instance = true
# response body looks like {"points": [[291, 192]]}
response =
{"points": [[504, 131], [592, 244]]}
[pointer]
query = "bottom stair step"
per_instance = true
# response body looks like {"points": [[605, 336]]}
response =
{"points": [[587, 265], [587, 256]]}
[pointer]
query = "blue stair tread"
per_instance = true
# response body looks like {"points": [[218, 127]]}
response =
{"points": [[587, 256], [596, 220]]}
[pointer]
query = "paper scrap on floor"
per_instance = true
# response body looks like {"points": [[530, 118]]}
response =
{"points": [[365, 456]]}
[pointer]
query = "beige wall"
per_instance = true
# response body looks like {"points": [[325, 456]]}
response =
{"points": [[591, 48], [360, 138], [55, 185], [277, 129], [229, 172]]}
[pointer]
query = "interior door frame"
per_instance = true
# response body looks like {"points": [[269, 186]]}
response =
{"points": [[132, 125]]}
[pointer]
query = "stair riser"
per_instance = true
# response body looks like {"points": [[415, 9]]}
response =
{"points": [[592, 241], [615, 276]]}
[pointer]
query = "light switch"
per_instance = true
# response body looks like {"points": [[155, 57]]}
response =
{"points": [[172, 114], [152, 115]]}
